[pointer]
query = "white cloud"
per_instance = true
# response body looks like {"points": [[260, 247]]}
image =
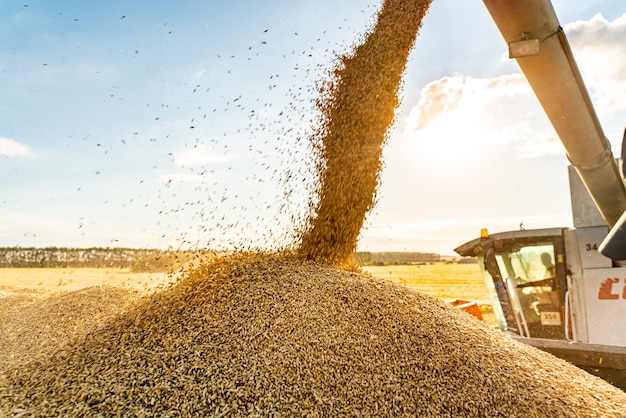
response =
{"points": [[599, 48], [199, 155], [457, 115], [12, 148], [200, 73], [597, 32], [462, 93]]}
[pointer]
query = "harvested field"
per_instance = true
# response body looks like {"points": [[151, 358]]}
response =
{"points": [[441, 280], [267, 335], [50, 280]]}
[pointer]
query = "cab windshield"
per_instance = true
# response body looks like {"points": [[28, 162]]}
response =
{"points": [[530, 287]]}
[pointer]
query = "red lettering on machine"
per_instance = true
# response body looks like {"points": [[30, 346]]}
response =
{"points": [[606, 291]]}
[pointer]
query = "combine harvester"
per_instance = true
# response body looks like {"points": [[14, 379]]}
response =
{"points": [[562, 290]]}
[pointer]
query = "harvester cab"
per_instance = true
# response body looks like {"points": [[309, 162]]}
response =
{"points": [[551, 288], [562, 289], [525, 273]]}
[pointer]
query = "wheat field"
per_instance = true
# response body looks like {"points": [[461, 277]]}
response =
{"points": [[441, 280], [52, 280]]}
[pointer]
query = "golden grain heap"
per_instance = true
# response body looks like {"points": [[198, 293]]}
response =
{"points": [[357, 110], [259, 335]]}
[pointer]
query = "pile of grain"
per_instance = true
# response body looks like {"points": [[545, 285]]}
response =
{"points": [[33, 323], [270, 335], [357, 111]]}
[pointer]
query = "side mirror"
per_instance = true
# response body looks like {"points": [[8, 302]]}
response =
{"points": [[614, 245], [622, 167]]}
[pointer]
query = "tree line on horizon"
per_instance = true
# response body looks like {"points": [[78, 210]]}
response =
{"points": [[62, 257], [374, 258], [142, 259]]}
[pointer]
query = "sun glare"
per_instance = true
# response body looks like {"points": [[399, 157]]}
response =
{"points": [[453, 137]]}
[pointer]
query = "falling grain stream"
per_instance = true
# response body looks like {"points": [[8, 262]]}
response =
{"points": [[358, 109]]}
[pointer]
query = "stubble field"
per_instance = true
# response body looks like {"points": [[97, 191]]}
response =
{"points": [[52, 280], [441, 280]]}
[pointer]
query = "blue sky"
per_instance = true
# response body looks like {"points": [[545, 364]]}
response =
{"points": [[155, 124]]}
